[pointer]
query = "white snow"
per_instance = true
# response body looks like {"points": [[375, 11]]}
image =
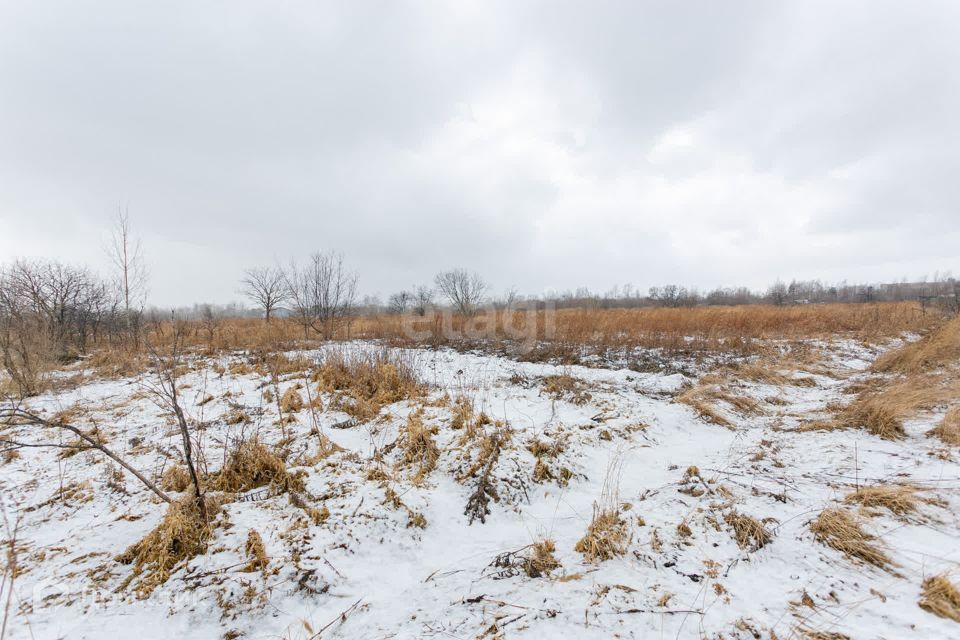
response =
{"points": [[395, 581]]}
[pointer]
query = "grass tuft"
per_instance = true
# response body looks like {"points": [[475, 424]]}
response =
{"points": [[749, 532], [606, 537], [940, 597], [840, 529]]}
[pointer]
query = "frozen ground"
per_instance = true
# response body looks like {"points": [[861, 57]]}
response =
{"points": [[365, 572]]}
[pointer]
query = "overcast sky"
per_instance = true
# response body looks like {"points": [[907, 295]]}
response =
{"points": [[545, 145]]}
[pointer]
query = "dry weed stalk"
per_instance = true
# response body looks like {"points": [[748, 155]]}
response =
{"points": [[607, 534], [488, 448]]}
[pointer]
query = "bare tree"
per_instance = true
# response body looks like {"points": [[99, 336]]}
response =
{"points": [[422, 300], [166, 396], [48, 311], [322, 292], [210, 319], [399, 302], [463, 289], [13, 415], [131, 271], [777, 293], [265, 287]]}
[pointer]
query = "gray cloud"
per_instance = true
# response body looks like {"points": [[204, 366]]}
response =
{"points": [[544, 144]]}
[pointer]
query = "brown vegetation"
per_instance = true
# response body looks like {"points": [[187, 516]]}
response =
{"points": [[941, 597], [182, 534], [252, 465], [606, 537], [842, 530], [363, 383], [899, 499], [919, 376], [749, 533]]}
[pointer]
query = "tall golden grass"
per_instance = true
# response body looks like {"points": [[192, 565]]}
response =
{"points": [[561, 334], [736, 328]]}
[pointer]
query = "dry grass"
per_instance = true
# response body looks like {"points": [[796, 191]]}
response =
{"points": [[540, 561], [481, 448], [841, 529], [363, 383], [252, 465], [418, 446], [940, 597], [814, 634], [703, 399], [882, 409], [566, 387], [607, 536], [176, 478], [939, 348], [899, 499], [181, 535], [713, 328], [948, 429], [256, 552], [291, 401], [749, 533], [921, 376]]}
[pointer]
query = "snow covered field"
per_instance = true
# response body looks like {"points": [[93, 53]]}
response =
{"points": [[376, 545]]}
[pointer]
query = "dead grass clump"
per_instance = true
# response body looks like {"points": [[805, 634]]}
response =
{"points": [[545, 452], [541, 559], [566, 387], [840, 529], [899, 499], [939, 348], [928, 378], [181, 535], [702, 398], [948, 429], [256, 552], [750, 533], [176, 478], [883, 411], [118, 362], [280, 364], [252, 465], [418, 446], [875, 414], [291, 401], [483, 452], [607, 536], [940, 597], [462, 413], [363, 383]]}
